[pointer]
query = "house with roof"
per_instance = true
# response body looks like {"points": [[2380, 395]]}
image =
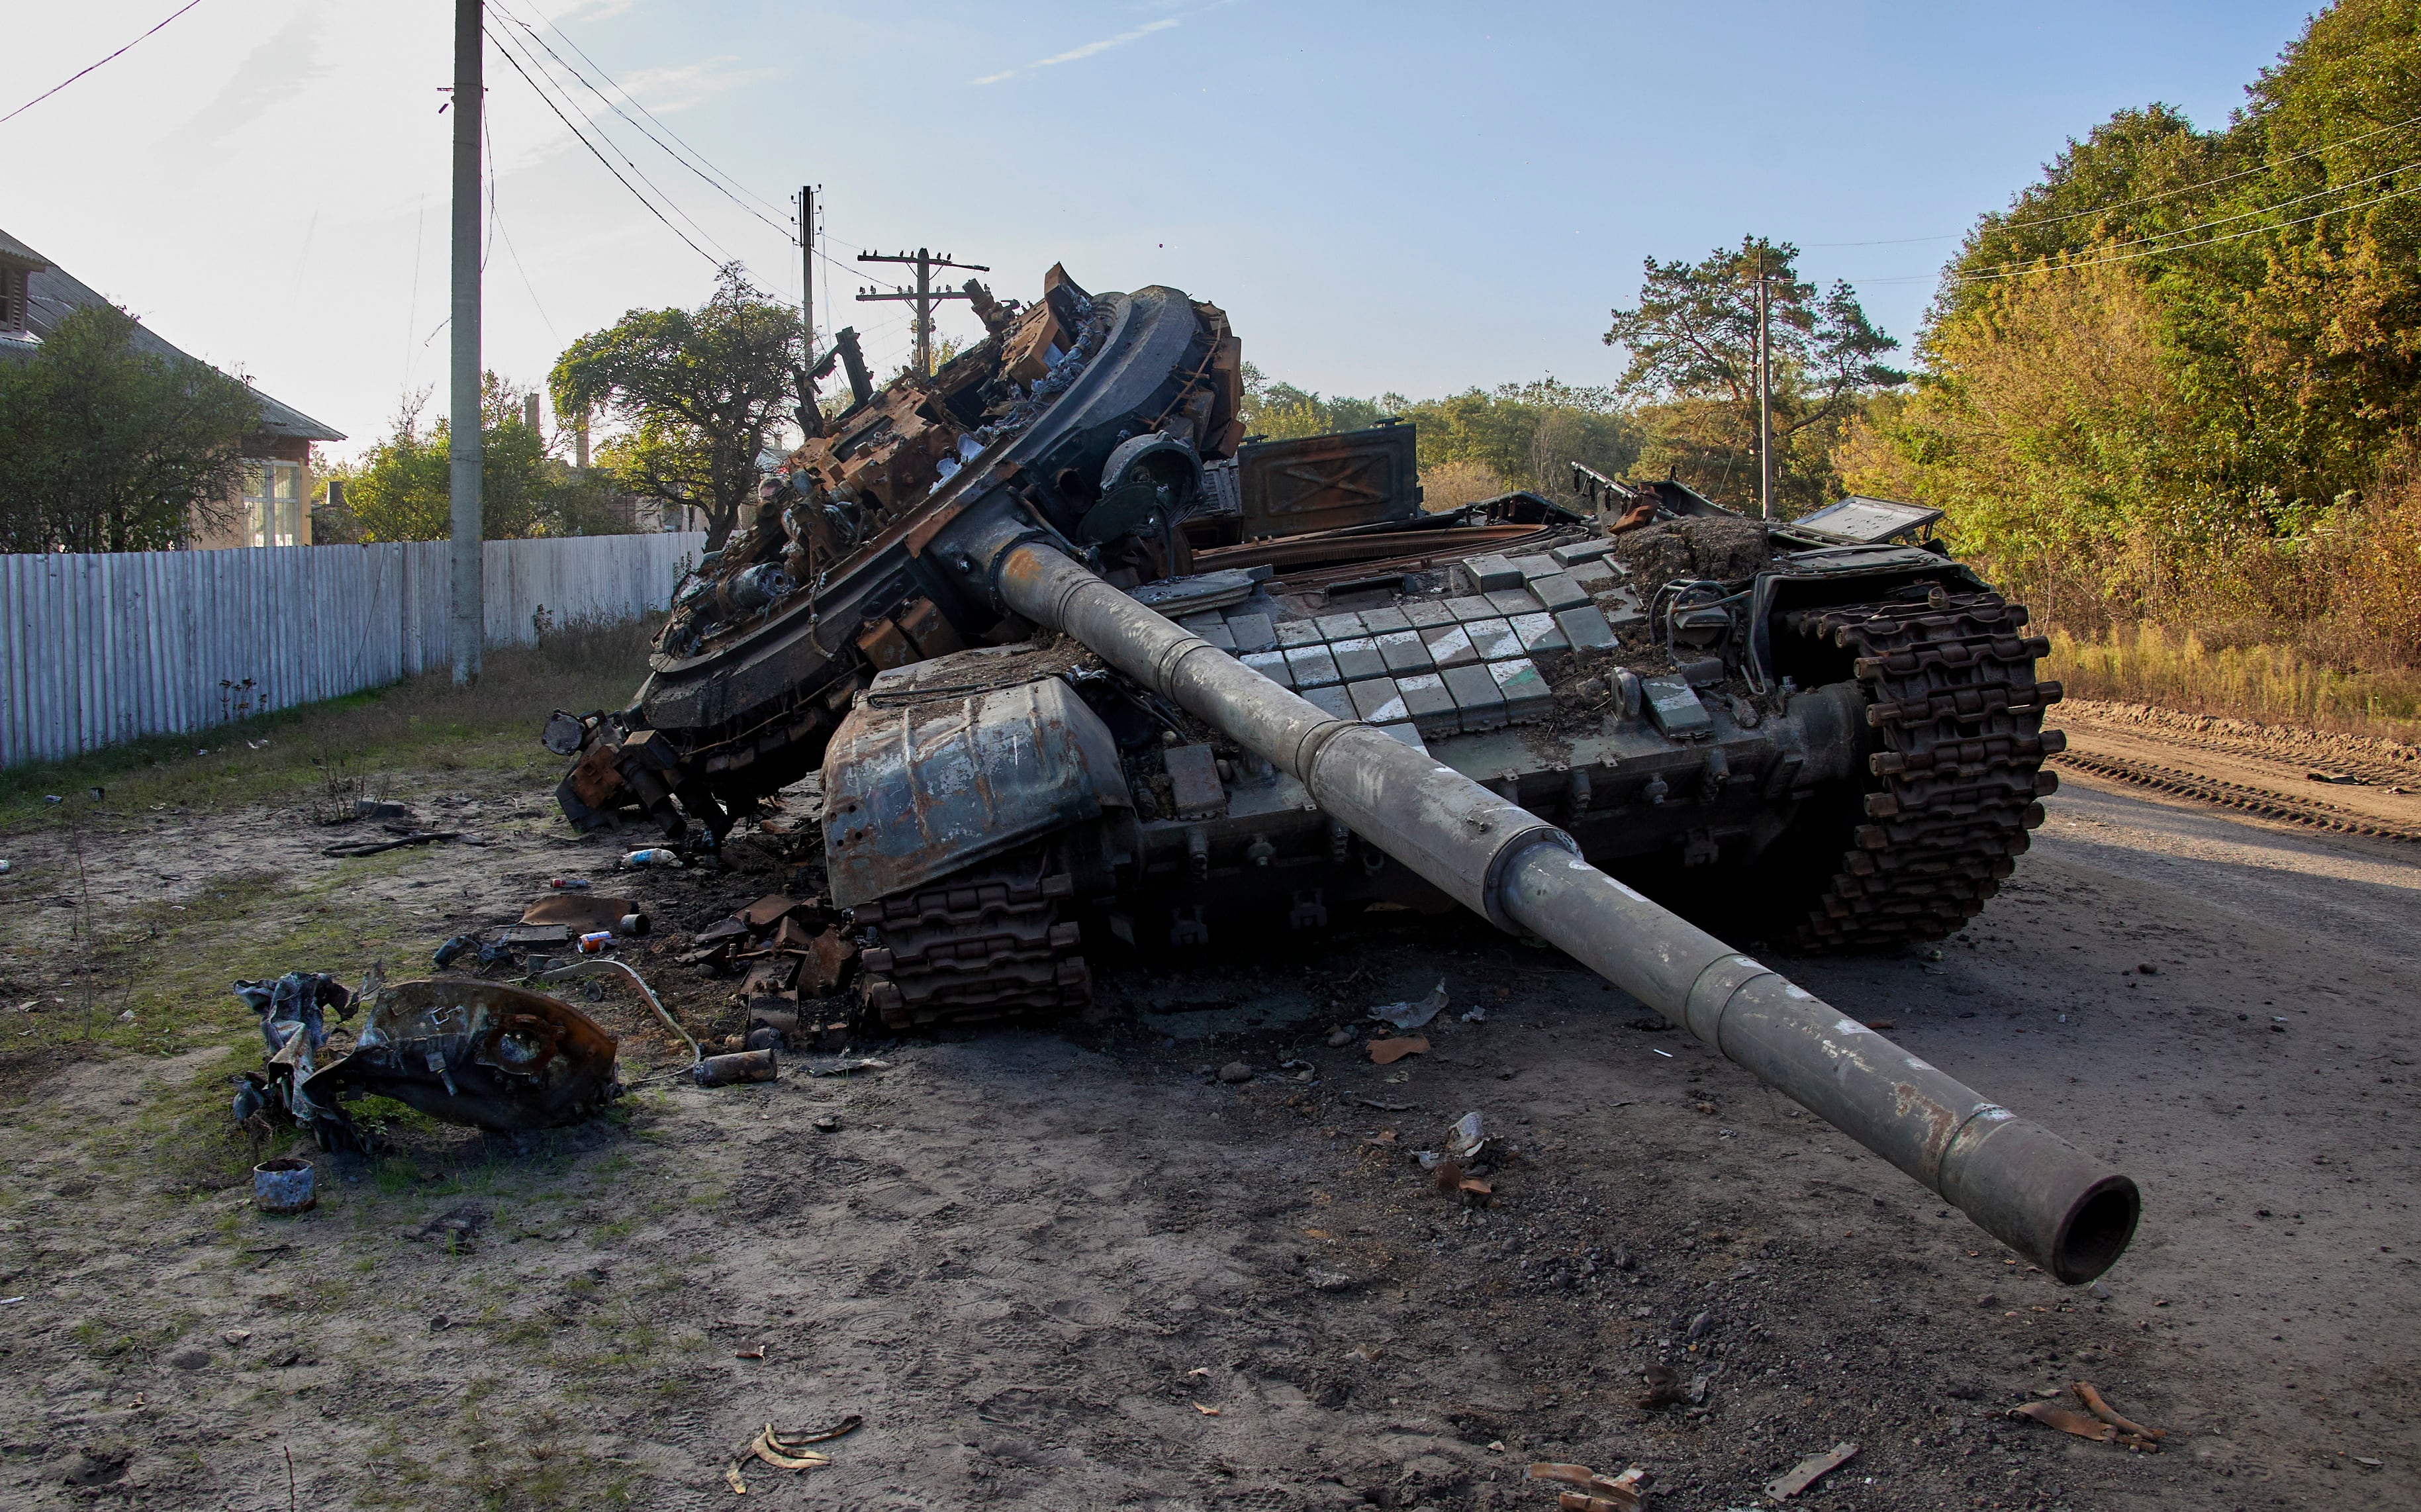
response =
{"points": [[35, 295]]}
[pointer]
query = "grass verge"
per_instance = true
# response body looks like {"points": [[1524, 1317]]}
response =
{"points": [[2271, 684], [424, 721]]}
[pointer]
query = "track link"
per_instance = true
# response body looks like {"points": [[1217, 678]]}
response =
{"points": [[987, 943], [2262, 802], [1957, 714]]}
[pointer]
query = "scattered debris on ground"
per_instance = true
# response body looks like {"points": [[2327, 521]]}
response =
{"points": [[1809, 1471]]}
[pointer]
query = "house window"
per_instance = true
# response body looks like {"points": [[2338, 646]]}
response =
{"points": [[273, 504]]}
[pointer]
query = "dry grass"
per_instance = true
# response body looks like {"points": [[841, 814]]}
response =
{"points": [[1452, 485], [2268, 682], [328, 748]]}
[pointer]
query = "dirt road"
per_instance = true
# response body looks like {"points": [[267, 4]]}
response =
{"points": [[2340, 783], [1071, 1269]]}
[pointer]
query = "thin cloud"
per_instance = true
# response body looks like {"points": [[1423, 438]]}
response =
{"points": [[690, 84], [276, 72], [1086, 50]]}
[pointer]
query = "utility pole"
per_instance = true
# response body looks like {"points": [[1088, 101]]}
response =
{"points": [[470, 613], [807, 269], [925, 297], [1764, 391]]}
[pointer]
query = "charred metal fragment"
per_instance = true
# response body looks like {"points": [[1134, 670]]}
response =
{"points": [[481, 1053]]}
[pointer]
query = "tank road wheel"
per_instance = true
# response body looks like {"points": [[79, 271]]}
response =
{"points": [[1954, 776], [992, 941]]}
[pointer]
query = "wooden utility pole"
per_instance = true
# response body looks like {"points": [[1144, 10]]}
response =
{"points": [[470, 612], [1764, 391], [925, 296]]}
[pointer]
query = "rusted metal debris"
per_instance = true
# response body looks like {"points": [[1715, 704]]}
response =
{"points": [[795, 957], [2103, 1425], [481, 1053], [1625, 1493], [1809, 1471]]}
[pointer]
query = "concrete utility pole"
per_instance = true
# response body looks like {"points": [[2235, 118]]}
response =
{"points": [[1764, 391], [470, 612], [926, 295], [807, 269]]}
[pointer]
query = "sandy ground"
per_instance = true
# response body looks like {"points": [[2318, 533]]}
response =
{"points": [[2354, 781], [1068, 1267]]}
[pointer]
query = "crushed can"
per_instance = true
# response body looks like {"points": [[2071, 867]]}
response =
{"points": [[568, 884], [596, 942]]}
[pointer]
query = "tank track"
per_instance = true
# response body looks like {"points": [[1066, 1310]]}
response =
{"points": [[1958, 772], [989, 942], [2262, 802]]}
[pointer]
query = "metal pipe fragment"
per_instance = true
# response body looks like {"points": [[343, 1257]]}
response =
{"points": [[2023, 1184]]}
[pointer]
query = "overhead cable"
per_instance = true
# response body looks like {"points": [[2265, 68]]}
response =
{"points": [[609, 168], [636, 171], [2047, 266], [788, 233], [634, 99], [88, 68]]}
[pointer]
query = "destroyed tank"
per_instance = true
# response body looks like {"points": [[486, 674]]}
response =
{"points": [[1079, 666], [1833, 721]]}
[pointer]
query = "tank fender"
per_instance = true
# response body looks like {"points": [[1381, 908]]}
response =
{"points": [[915, 790]]}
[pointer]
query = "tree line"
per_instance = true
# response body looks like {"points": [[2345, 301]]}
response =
{"points": [[2179, 380]]}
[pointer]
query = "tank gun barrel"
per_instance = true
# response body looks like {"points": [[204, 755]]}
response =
{"points": [[2060, 1208]]}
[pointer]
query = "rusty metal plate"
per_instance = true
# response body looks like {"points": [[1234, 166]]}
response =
{"points": [[914, 792], [482, 1054], [1194, 782], [1356, 477]]}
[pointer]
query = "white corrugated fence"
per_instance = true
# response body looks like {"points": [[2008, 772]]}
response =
{"points": [[99, 648]]}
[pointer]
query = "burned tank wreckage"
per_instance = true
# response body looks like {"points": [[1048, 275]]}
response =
{"points": [[1079, 662]]}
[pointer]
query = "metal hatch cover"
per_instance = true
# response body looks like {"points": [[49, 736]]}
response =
{"points": [[1356, 477], [1868, 520]]}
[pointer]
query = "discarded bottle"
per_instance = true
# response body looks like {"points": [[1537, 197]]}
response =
{"points": [[742, 1065], [568, 884], [452, 950], [653, 856], [596, 942]]}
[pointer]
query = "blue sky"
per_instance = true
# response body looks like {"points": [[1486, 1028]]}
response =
{"points": [[1415, 196]]}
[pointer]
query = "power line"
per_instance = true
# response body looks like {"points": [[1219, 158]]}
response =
{"points": [[2015, 224], [634, 99], [702, 176], [81, 72], [499, 221], [855, 274], [2209, 184], [925, 296], [640, 174], [2243, 215], [2160, 252], [609, 168]]}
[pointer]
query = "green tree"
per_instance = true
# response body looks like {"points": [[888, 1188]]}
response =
{"points": [[402, 488], [699, 392], [1526, 434], [1692, 347], [1276, 410], [2180, 378], [1517, 435], [106, 447]]}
